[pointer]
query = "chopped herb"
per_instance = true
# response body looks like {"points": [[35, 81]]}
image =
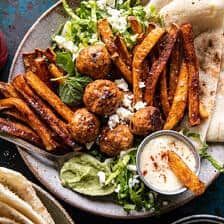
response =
{"points": [[203, 150]]}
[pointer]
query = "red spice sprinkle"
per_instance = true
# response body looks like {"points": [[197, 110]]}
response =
{"points": [[144, 172], [155, 165], [164, 155], [152, 158]]}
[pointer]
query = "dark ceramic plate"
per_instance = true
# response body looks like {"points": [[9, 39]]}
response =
{"points": [[200, 219], [39, 37]]}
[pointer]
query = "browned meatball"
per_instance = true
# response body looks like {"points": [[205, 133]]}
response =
{"points": [[102, 97], [112, 142], [84, 126], [94, 61], [146, 120]]}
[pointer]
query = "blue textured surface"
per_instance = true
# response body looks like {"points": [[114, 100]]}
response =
{"points": [[16, 16]]}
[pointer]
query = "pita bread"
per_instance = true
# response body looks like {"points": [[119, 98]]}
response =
{"points": [[208, 44], [23, 189], [12, 200], [10, 213], [216, 128], [7, 221]]}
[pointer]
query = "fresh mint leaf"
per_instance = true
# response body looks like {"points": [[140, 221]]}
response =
{"points": [[72, 89], [64, 61]]}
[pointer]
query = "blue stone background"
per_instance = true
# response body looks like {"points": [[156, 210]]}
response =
{"points": [[16, 16]]}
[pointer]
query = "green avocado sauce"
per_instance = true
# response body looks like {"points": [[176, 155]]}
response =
{"points": [[81, 175]]}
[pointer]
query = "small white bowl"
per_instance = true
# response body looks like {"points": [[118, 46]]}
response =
{"points": [[178, 136]]}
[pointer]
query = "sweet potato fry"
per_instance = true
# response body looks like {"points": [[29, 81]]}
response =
{"points": [[107, 37], [185, 174], [203, 112], [164, 93], [180, 99], [159, 65], [18, 130], [193, 68], [175, 62], [56, 73], [123, 50], [49, 96], [140, 54], [43, 110], [7, 90], [35, 123], [14, 114], [135, 25], [50, 55], [28, 60], [42, 71]]}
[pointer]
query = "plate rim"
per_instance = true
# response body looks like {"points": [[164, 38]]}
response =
{"points": [[53, 200], [51, 188]]}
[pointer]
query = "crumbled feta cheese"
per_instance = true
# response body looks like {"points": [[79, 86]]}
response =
{"points": [[124, 114], [141, 85], [127, 101], [133, 181], [102, 177], [117, 20], [132, 167], [113, 121], [118, 188], [67, 45], [89, 145], [139, 105], [122, 84]]}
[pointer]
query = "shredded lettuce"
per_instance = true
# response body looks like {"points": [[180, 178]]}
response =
{"points": [[81, 29], [131, 193]]}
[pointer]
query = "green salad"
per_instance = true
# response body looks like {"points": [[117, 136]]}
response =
{"points": [[80, 31]]}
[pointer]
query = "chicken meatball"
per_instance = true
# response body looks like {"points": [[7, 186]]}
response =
{"points": [[112, 142], [94, 61], [84, 126], [102, 97], [145, 121]]}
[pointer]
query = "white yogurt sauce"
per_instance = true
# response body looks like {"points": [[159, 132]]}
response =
{"points": [[154, 162]]}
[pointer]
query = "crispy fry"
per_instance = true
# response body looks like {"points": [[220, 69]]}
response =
{"points": [[140, 54], [159, 65], [18, 130], [123, 50], [42, 71], [56, 73], [35, 123], [50, 55], [164, 93], [13, 113], [28, 60], [203, 112], [193, 81], [7, 90], [184, 173], [135, 25], [43, 110], [107, 37], [180, 99], [175, 62], [46, 94]]}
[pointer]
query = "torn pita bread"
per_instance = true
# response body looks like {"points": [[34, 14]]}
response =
{"points": [[7, 221], [23, 189], [216, 128], [11, 213], [207, 19], [12, 200]]}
